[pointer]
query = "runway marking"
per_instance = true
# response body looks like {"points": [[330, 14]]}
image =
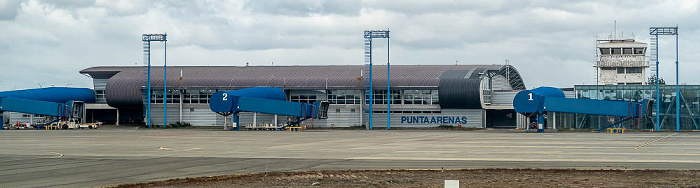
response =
{"points": [[168, 135], [638, 148], [548, 152], [187, 149], [58, 155]]}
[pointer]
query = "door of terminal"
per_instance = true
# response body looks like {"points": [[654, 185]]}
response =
{"points": [[501, 119]]}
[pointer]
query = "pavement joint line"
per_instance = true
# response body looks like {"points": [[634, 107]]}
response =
{"points": [[638, 148]]}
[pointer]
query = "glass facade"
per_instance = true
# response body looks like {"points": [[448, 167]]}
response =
{"points": [[344, 96], [608, 51], [689, 103], [307, 96], [420, 97], [380, 97], [100, 96], [202, 96], [189, 96]]}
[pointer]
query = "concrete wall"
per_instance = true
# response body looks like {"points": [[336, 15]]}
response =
{"points": [[195, 114], [611, 77]]}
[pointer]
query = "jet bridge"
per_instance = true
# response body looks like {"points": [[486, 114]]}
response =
{"points": [[537, 101], [268, 100], [59, 102]]}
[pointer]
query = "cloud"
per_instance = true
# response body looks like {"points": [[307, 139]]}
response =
{"points": [[70, 4], [550, 42], [126, 7], [418, 7], [304, 8], [8, 9]]}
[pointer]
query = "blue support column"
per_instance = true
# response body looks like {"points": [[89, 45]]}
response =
{"points": [[148, 113], [540, 122], [165, 83], [678, 92], [235, 120], [658, 94], [388, 87], [371, 88]]}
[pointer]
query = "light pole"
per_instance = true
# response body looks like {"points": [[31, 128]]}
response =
{"points": [[656, 31], [146, 39], [369, 87]]}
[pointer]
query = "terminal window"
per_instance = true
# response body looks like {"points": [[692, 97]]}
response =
{"points": [[344, 96], [616, 51], [631, 70], [627, 51]]}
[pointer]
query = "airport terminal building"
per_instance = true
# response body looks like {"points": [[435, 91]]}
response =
{"points": [[421, 95]]}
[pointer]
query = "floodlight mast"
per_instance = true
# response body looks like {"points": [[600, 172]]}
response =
{"points": [[146, 40], [655, 32], [369, 87]]}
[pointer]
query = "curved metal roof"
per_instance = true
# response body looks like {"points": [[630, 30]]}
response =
{"points": [[124, 87]]}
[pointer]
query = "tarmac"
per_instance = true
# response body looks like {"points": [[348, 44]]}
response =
{"points": [[112, 156]]}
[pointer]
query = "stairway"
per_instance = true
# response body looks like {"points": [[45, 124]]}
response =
{"points": [[146, 76], [653, 54], [367, 77]]}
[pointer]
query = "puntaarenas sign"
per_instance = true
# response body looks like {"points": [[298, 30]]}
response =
{"points": [[437, 120]]}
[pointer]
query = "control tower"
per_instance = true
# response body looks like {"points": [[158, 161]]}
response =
{"points": [[621, 62]]}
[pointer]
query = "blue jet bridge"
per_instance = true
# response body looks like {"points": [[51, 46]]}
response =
{"points": [[537, 101], [59, 102], [268, 100]]}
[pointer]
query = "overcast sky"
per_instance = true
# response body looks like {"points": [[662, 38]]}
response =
{"points": [[550, 42]]}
